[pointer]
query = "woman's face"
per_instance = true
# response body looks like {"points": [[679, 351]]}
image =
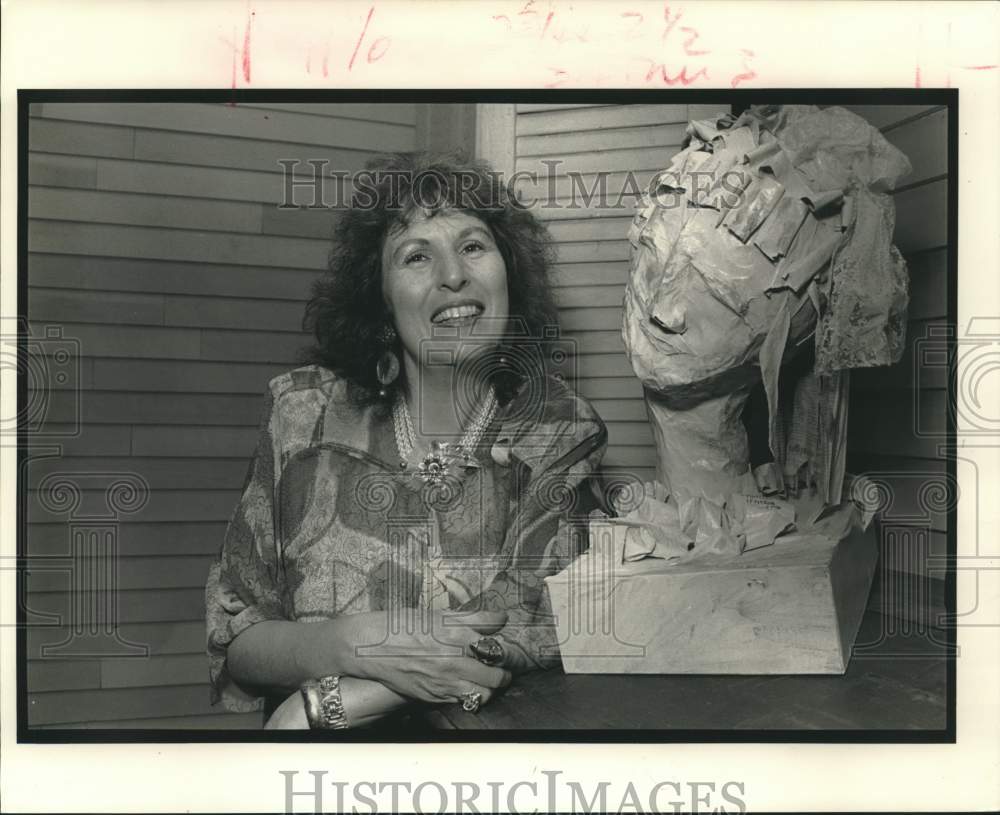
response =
{"points": [[444, 279]]}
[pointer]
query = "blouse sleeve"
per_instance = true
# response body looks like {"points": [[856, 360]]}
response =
{"points": [[246, 583], [544, 539]]}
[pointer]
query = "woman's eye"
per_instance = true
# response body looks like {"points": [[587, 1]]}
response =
{"points": [[414, 257], [473, 246]]}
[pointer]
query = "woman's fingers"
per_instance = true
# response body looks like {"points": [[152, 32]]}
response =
{"points": [[471, 670], [483, 622]]}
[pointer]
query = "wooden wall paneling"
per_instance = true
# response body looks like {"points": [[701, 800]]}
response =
{"points": [[158, 248], [138, 539], [169, 277], [176, 244], [237, 120], [160, 637]]}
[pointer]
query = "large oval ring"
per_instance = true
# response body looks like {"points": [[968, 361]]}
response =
{"points": [[471, 701], [488, 650]]}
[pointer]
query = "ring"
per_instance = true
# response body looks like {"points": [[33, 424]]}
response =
{"points": [[488, 650], [471, 701]]}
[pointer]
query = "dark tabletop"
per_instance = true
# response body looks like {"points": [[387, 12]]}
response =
{"points": [[896, 681]]}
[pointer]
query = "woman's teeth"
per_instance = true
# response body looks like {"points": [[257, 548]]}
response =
{"points": [[456, 314]]}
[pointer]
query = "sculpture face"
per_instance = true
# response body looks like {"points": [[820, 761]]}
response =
{"points": [[763, 231], [702, 327], [741, 243]]}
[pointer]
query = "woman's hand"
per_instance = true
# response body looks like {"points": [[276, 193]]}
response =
{"points": [[290, 715], [425, 655]]}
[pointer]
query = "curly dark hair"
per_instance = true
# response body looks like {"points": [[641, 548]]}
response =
{"points": [[347, 312]]}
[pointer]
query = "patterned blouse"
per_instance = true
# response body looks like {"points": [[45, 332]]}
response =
{"points": [[328, 524]]}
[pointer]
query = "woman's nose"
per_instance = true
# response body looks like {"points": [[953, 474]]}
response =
{"points": [[452, 271]]}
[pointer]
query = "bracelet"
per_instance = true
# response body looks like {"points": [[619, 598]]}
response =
{"points": [[324, 708]]}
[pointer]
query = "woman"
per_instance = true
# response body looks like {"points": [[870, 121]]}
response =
{"points": [[402, 506]]}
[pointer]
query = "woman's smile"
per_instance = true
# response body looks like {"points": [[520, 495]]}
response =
{"points": [[444, 271], [458, 314]]}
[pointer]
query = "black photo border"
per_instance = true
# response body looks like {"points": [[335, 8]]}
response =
{"points": [[740, 99]]}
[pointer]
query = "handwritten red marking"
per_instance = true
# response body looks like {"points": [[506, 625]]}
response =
{"points": [[561, 78], [916, 77], [670, 23], [748, 72], [980, 67], [548, 22], [692, 36], [246, 47], [376, 49], [681, 77], [372, 55], [368, 19], [636, 29]]}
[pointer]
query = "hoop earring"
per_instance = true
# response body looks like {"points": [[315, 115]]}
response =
{"points": [[387, 367]]}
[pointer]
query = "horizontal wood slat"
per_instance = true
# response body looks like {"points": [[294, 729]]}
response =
{"points": [[236, 120], [152, 342], [162, 505], [612, 138], [180, 537], [183, 377], [142, 606], [74, 306], [539, 107], [392, 112], [598, 118], [547, 192], [164, 277], [590, 274], [239, 153], [128, 407], [186, 572], [158, 637], [62, 171], [125, 703], [80, 139], [176, 244], [128, 209], [602, 161]]}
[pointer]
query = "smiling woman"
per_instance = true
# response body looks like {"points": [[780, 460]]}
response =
{"points": [[408, 484]]}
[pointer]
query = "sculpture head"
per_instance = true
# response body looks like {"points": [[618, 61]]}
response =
{"points": [[766, 231], [738, 233]]}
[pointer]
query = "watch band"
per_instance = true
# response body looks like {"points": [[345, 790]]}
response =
{"points": [[324, 708]]}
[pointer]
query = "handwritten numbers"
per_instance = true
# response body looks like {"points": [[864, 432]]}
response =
{"points": [[376, 48]]}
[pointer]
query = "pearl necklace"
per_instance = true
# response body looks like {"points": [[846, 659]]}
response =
{"points": [[434, 466]]}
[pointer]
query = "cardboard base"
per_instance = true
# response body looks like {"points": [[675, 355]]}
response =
{"points": [[790, 608]]}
